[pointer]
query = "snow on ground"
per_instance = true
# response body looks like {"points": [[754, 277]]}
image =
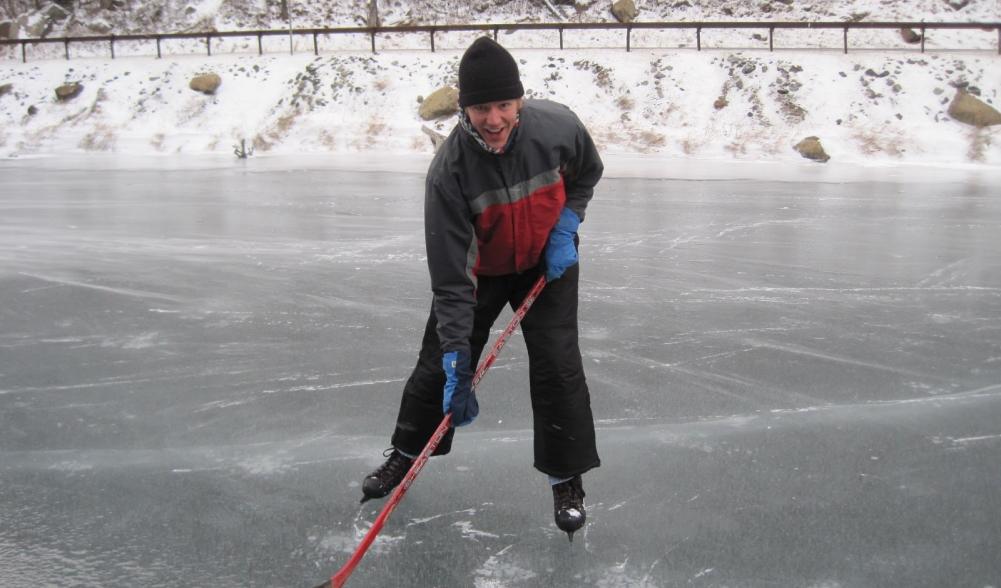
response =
{"points": [[733, 102]]}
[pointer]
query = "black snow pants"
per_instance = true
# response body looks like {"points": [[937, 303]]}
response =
{"points": [[561, 404]]}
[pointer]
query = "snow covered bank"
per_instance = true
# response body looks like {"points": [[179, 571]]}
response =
{"points": [[867, 108]]}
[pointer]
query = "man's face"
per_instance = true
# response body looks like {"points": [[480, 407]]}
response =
{"points": [[494, 121]]}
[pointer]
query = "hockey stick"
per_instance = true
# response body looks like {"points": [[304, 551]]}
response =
{"points": [[338, 579]]}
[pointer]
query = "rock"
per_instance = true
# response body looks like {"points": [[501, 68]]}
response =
{"points": [[54, 12], [68, 91], [624, 10], [4, 88], [909, 36], [957, 4], [436, 138], [811, 148], [442, 102], [32, 110], [8, 29], [99, 27], [794, 113], [970, 110], [205, 83], [720, 103]]}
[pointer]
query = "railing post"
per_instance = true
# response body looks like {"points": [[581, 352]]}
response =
{"points": [[432, 40], [373, 40], [111, 42], [24, 53], [629, 31], [208, 44], [158, 55], [260, 46], [698, 38], [922, 39], [561, 38], [846, 40], [316, 48], [495, 33], [66, 42], [771, 35]]}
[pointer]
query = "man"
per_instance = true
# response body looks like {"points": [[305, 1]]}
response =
{"points": [[504, 196]]}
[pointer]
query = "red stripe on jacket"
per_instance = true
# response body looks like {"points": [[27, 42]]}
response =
{"points": [[510, 237]]}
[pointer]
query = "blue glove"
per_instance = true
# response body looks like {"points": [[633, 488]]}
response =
{"points": [[560, 251], [459, 398]]}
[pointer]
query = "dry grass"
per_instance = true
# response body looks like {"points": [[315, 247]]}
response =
{"points": [[267, 139], [647, 141], [102, 138], [195, 107], [980, 141], [690, 146], [735, 148], [883, 140], [328, 139]]}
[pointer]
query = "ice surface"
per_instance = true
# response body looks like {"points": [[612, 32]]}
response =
{"points": [[796, 383]]}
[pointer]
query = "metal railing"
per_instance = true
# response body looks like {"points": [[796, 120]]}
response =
{"points": [[432, 30]]}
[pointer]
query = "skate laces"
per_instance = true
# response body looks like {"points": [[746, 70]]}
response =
{"points": [[395, 468]]}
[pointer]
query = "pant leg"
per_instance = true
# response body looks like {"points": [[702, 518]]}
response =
{"points": [[561, 404], [420, 407]]}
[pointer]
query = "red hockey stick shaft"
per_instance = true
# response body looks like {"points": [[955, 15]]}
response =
{"points": [[338, 579]]}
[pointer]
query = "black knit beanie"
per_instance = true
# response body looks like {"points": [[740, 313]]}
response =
{"points": [[488, 73]]}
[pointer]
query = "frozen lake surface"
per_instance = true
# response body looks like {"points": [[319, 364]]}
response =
{"points": [[795, 384]]}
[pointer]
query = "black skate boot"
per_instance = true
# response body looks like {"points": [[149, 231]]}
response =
{"points": [[568, 505], [381, 482]]}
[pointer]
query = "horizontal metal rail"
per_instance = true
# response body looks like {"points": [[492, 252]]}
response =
{"points": [[431, 30]]}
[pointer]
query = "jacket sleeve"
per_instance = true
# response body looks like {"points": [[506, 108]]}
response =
{"points": [[451, 249], [582, 171]]}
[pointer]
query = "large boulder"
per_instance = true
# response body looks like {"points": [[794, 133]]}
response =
{"points": [[811, 148], [624, 10], [4, 88], [8, 29], [442, 102], [910, 36], [968, 109], [68, 91], [206, 83]]}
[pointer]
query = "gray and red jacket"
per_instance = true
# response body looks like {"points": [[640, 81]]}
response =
{"points": [[489, 214]]}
